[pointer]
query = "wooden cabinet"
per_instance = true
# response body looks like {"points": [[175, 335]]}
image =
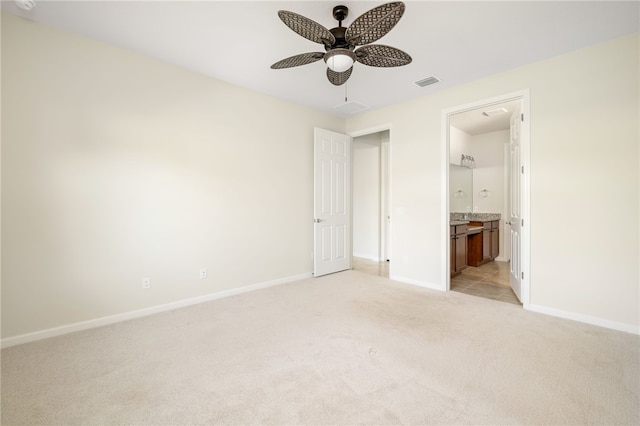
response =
{"points": [[458, 248], [490, 243]]}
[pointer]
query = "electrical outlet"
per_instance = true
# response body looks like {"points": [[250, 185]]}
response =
{"points": [[203, 273], [146, 282]]}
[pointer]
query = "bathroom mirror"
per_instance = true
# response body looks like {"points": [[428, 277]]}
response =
{"points": [[460, 189]]}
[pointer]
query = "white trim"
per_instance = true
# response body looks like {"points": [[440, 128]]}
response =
{"points": [[112, 319], [524, 96], [370, 130], [588, 319], [444, 202], [423, 284]]}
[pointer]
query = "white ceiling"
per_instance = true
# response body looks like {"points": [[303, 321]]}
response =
{"points": [[475, 122], [237, 41]]}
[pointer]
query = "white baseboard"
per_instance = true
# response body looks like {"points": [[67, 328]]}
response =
{"points": [[588, 319], [418, 283], [502, 259], [112, 319]]}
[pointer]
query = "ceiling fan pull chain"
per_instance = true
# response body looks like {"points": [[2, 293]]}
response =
{"points": [[345, 92]]}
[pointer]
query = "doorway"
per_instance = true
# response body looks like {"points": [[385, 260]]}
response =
{"points": [[370, 202], [479, 138]]}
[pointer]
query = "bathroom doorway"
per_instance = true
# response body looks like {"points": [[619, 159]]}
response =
{"points": [[479, 140]]}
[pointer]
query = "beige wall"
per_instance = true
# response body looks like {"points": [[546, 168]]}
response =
{"points": [[116, 166], [584, 180]]}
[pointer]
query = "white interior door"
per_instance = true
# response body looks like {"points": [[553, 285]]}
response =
{"points": [[515, 213], [332, 202]]}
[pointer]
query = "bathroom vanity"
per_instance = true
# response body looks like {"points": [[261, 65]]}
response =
{"points": [[475, 239]]}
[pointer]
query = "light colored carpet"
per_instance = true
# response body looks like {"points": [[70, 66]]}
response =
{"points": [[348, 348]]}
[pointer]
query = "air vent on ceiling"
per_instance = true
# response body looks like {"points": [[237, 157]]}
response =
{"points": [[492, 112], [25, 4], [351, 107], [427, 81]]}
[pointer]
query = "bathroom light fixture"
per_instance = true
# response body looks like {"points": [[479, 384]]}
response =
{"points": [[467, 161]]}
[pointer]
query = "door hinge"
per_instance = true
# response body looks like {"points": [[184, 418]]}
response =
{"points": [[523, 275], [522, 169], [521, 222], [522, 117]]}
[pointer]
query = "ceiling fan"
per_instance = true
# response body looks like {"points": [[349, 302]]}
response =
{"points": [[345, 46]]}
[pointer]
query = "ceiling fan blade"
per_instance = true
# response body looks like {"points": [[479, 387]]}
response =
{"points": [[379, 55], [338, 78], [307, 28], [375, 23], [297, 60]]}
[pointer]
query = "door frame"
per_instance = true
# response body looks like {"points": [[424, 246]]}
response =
{"points": [[364, 132], [524, 96]]}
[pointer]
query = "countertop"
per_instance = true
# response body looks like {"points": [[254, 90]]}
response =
{"points": [[462, 218]]}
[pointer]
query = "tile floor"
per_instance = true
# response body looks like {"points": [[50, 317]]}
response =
{"points": [[490, 280]]}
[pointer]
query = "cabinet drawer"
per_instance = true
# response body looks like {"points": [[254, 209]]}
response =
{"points": [[460, 229], [494, 224]]}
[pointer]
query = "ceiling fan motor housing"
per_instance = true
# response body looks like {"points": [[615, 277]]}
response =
{"points": [[339, 14], [341, 41]]}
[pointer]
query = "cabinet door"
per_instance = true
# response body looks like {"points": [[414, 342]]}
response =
{"points": [[452, 252], [452, 264], [461, 252], [486, 243], [495, 242]]}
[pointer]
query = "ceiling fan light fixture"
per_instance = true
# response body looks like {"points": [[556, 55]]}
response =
{"points": [[339, 60]]}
